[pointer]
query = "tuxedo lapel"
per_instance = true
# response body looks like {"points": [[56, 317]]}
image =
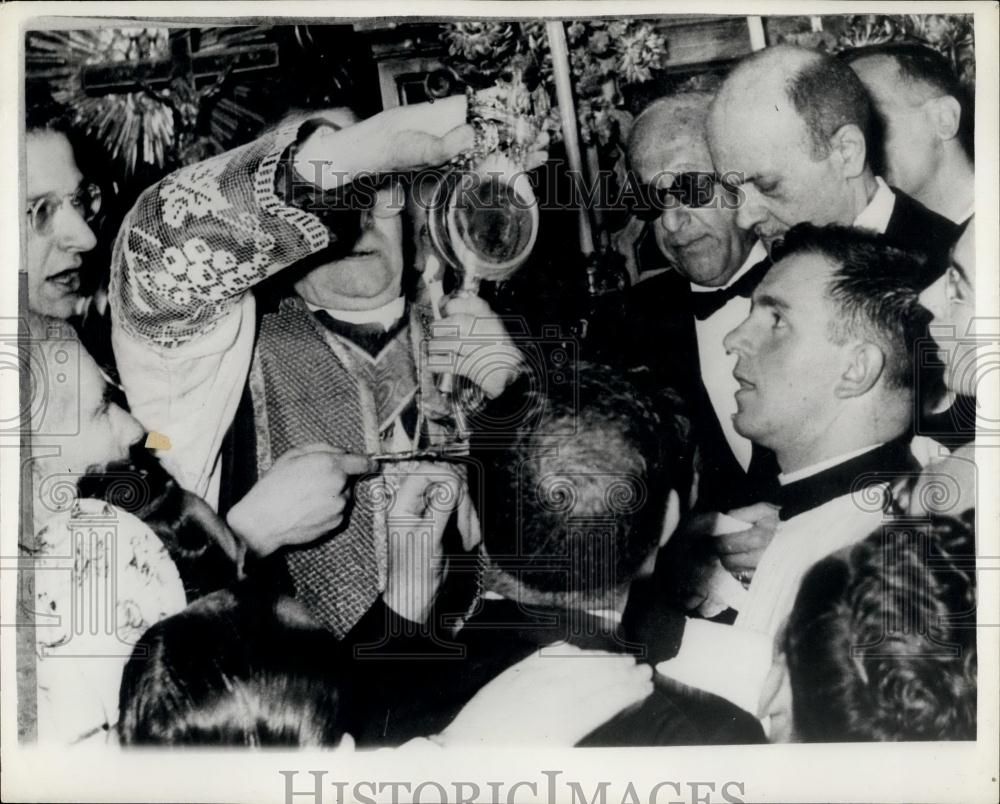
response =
{"points": [[913, 227]]}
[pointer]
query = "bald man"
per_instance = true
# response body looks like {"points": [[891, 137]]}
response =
{"points": [[793, 127], [927, 121]]}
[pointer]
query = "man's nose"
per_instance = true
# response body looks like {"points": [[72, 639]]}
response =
{"points": [[675, 218], [389, 201], [751, 211], [934, 298], [71, 231], [737, 340]]}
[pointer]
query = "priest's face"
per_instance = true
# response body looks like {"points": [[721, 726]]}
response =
{"points": [[701, 239], [952, 301], [788, 367], [371, 275]]}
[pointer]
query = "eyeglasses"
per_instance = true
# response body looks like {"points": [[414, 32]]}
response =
{"points": [[86, 200], [695, 189]]}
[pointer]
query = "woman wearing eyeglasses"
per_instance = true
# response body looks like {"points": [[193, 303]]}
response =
{"points": [[60, 205]]}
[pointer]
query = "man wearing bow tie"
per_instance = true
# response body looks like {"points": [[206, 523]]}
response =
{"points": [[682, 315]]}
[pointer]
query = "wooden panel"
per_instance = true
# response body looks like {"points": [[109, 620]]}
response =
{"points": [[706, 40]]}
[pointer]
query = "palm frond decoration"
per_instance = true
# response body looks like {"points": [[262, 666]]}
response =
{"points": [[952, 35], [149, 104]]}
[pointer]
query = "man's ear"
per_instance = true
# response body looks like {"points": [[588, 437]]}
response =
{"points": [[848, 142], [672, 517], [862, 372], [945, 114]]}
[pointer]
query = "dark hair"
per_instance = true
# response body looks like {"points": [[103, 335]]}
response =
{"points": [[43, 113], [881, 643], [828, 94], [922, 64], [185, 525], [875, 286], [227, 671], [575, 481]]}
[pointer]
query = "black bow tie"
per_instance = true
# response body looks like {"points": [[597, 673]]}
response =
{"points": [[707, 303]]}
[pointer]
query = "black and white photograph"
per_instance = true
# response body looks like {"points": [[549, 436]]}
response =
{"points": [[383, 385]]}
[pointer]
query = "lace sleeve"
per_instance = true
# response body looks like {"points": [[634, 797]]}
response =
{"points": [[195, 242]]}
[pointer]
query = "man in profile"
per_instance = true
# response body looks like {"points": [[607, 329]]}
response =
{"points": [[113, 544], [951, 300], [927, 123], [794, 128], [825, 368]]}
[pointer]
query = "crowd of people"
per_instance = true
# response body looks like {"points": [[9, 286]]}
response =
{"points": [[749, 515]]}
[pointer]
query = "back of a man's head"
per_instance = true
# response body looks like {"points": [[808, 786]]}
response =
{"points": [[875, 287], [881, 643], [824, 92], [575, 484], [927, 73]]}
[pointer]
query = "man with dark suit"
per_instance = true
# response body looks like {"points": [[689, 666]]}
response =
{"points": [[579, 489], [927, 121], [677, 319], [793, 129]]}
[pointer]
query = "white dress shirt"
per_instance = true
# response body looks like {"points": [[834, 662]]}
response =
{"points": [[875, 217], [387, 315], [716, 365]]}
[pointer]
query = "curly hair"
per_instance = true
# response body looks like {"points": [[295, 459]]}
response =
{"points": [[575, 481], [881, 644]]}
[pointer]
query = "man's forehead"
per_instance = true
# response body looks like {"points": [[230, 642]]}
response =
{"points": [[755, 133], [799, 278], [683, 151], [51, 166]]}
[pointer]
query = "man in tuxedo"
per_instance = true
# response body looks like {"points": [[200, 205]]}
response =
{"points": [[927, 124], [793, 129], [579, 488], [677, 319]]}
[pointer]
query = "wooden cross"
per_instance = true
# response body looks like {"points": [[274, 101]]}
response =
{"points": [[197, 68]]}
